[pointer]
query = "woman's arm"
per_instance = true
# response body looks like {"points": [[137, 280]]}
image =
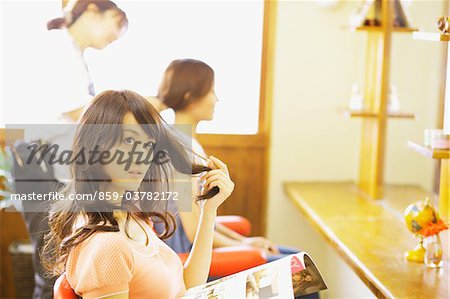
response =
{"points": [[228, 237], [229, 233], [221, 240], [222, 235], [190, 221], [196, 267], [198, 263], [225, 237]]}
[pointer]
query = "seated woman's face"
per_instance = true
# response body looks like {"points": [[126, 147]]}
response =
{"points": [[137, 146], [204, 108]]}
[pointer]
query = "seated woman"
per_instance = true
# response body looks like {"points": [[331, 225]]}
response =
{"points": [[106, 246], [187, 87]]}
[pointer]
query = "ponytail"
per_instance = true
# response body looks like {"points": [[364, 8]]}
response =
{"points": [[57, 23]]}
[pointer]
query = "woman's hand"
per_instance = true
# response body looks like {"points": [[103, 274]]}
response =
{"points": [[217, 177], [262, 243]]}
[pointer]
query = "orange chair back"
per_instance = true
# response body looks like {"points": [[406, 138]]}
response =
{"points": [[62, 289]]}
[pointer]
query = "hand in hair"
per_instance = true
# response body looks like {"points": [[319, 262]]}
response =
{"points": [[217, 177]]}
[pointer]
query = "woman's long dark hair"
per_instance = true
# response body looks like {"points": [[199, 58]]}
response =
{"points": [[98, 126], [80, 7]]}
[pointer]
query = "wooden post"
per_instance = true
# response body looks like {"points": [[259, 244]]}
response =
{"points": [[373, 140], [444, 182], [444, 190]]}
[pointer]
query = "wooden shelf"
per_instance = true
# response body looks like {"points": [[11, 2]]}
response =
{"points": [[371, 236], [431, 36], [380, 28], [367, 113], [429, 152]]}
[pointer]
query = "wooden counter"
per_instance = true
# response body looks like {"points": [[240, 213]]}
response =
{"points": [[371, 236]]}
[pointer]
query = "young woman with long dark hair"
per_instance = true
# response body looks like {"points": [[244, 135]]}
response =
{"points": [[108, 249]]}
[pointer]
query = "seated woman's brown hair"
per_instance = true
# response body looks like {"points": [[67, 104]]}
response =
{"points": [[96, 127]]}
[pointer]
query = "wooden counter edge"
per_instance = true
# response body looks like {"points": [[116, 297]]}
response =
{"points": [[377, 288]]}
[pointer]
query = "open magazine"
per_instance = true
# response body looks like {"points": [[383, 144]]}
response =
{"points": [[289, 277]]}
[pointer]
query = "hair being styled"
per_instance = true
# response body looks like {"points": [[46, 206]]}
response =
{"points": [[185, 81], [75, 8], [109, 108]]}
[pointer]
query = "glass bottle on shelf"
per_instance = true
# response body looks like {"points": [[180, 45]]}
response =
{"points": [[356, 100], [433, 252], [393, 102]]}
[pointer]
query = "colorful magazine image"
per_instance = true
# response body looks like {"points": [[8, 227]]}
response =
{"points": [[289, 277], [305, 277]]}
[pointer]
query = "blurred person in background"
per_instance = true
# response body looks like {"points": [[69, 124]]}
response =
{"points": [[187, 87], [57, 89]]}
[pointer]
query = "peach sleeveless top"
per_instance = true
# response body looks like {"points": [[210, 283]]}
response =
{"points": [[109, 263]]}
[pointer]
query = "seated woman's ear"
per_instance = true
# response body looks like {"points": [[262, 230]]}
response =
{"points": [[92, 8]]}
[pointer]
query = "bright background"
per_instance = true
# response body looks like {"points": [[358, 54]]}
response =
{"points": [[225, 34]]}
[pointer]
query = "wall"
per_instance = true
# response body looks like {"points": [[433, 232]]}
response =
{"points": [[317, 60]]}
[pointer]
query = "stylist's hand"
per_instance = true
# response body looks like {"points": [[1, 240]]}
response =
{"points": [[217, 177]]}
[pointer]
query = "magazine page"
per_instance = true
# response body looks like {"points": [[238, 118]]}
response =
{"points": [[289, 277], [227, 287], [272, 280], [306, 278]]}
